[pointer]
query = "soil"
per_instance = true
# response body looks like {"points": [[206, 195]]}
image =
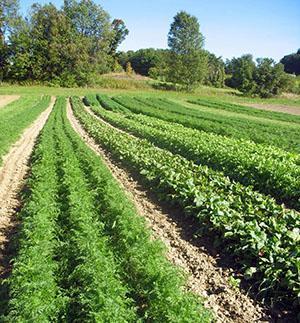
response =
{"points": [[276, 108], [12, 175], [206, 277], [6, 99]]}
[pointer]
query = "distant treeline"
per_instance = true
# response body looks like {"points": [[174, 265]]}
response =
{"points": [[76, 44]]}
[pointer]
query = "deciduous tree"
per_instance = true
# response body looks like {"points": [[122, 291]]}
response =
{"points": [[187, 60]]}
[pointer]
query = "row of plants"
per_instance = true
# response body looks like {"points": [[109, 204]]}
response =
{"points": [[268, 169], [88, 271], [262, 235], [17, 116], [232, 107], [34, 292], [285, 137], [156, 286], [84, 254]]}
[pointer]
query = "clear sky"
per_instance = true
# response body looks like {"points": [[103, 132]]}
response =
{"points": [[264, 28]]}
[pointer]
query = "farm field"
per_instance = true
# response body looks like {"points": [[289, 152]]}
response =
{"points": [[142, 207]]}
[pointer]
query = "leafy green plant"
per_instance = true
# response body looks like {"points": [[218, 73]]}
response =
{"points": [[283, 136], [252, 226], [268, 169], [155, 285]]}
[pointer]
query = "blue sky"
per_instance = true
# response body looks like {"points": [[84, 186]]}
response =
{"points": [[264, 28]]}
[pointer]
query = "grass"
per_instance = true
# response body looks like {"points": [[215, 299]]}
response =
{"points": [[229, 95]]}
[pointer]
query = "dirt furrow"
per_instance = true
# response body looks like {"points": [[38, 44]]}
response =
{"points": [[205, 277], [12, 174], [6, 99]]}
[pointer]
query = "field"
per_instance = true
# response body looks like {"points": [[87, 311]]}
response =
{"points": [[148, 206]]}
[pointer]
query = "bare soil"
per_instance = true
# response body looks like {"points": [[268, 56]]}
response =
{"points": [[12, 175], [205, 277], [6, 99], [276, 108]]}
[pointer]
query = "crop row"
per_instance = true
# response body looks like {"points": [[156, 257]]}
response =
{"points": [[263, 235], [85, 255], [269, 169], [282, 136], [16, 116], [227, 106]]}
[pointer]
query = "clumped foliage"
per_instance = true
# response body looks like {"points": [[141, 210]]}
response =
{"points": [[264, 78], [66, 47], [187, 61], [8, 18], [120, 33], [241, 70], [143, 61], [215, 75]]}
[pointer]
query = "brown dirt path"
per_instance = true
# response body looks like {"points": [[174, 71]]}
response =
{"points": [[6, 99], [12, 175], [205, 277], [276, 108]]}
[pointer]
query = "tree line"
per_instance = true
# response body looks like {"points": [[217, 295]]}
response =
{"points": [[187, 64], [74, 45], [67, 47]]}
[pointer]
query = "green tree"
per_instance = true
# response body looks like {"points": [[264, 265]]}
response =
{"points": [[215, 71], [46, 48], [270, 78], [187, 60], [8, 16], [241, 70], [20, 52], [120, 33], [92, 25]]}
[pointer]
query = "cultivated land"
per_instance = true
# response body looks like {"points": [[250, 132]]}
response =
{"points": [[126, 205]]}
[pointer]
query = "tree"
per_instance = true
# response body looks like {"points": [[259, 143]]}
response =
{"points": [[46, 48], [8, 16], [269, 77], [265, 78], [144, 59], [187, 60], [120, 33], [92, 24], [241, 70], [292, 63], [215, 71]]}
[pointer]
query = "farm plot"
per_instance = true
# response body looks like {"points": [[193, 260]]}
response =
{"points": [[84, 254], [221, 105], [262, 234], [268, 169], [286, 137], [17, 116]]}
